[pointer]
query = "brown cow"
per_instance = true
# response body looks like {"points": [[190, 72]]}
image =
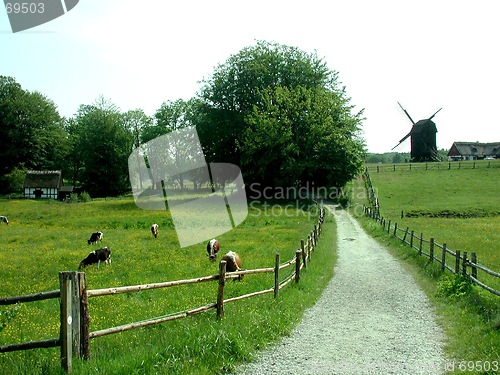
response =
{"points": [[233, 262]]}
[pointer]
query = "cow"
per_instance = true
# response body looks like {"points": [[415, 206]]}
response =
{"points": [[94, 237], [97, 256], [233, 262], [3, 219], [154, 230], [213, 247]]}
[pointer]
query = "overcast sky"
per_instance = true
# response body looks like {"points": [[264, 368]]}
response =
{"points": [[425, 54]]}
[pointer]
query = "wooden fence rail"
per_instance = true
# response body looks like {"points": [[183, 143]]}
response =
{"points": [[445, 165], [436, 252], [75, 335]]}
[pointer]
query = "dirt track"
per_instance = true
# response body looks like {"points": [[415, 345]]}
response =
{"points": [[371, 319]]}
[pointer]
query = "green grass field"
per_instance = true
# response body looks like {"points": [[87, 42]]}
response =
{"points": [[46, 237], [459, 207]]}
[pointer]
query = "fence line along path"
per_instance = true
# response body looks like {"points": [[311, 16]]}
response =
{"points": [[371, 319]]}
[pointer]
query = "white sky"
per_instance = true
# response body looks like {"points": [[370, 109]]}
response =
{"points": [[425, 54]]}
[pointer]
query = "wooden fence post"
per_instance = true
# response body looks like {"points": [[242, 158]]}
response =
{"points": [[84, 318], [411, 238], [395, 229], [308, 250], [302, 250], [297, 266], [443, 258], [473, 260], [431, 249], [406, 233], [464, 264], [66, 336], [457, 262], [276, 275], [220, 293], [389, 227], [420, 245]]}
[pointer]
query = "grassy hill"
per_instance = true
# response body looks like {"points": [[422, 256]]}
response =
{"points": [[459, 207]]}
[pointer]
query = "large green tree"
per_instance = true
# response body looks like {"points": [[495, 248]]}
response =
{"points": [[281, 114], [101, 144], [32, 132]]}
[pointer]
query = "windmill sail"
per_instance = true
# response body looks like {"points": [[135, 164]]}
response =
{"points": [[407, 114], [402, 140], [430, 118]]}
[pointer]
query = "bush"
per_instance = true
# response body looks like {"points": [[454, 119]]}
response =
{"points": [[15, 180], [85, 197], [73, 198], [454, 286]]}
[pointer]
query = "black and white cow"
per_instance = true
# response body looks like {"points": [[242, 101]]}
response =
{"points": [[154, 230], [97, 256], [213, 247], [3, 219], [94, 237]]}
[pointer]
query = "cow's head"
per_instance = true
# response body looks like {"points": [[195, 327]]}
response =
{"points": [[213, 248]]}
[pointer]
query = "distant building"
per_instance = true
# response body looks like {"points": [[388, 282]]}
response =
{"points": [[474, 151], [45, 184]]}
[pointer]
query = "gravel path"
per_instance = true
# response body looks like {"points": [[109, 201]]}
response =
{"points": [[371, 319]]}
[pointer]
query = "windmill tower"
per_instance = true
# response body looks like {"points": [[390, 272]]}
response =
{"points": [[423, 139]]}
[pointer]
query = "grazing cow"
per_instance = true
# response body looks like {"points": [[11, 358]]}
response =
{"points": [[97, 256], [154, 230], [213, 247], [3, 219], [94, 237], [233, 262]]}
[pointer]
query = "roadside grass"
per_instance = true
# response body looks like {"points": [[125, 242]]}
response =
{"points": [[46, 237], [469, 314]]}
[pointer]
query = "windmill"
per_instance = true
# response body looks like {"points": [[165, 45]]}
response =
{"points": [[423, 138]]}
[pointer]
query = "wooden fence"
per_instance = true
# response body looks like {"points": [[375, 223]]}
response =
{"points": [[463, 164], [460, 262], [75, 335]]}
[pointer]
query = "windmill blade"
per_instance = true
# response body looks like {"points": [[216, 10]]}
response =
{"points": [[430, 118], [404, 110], [402, 140]]}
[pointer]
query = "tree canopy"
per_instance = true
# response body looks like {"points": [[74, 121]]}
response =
{"points": [[31, 131], [277, 112], [280, 114]]}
